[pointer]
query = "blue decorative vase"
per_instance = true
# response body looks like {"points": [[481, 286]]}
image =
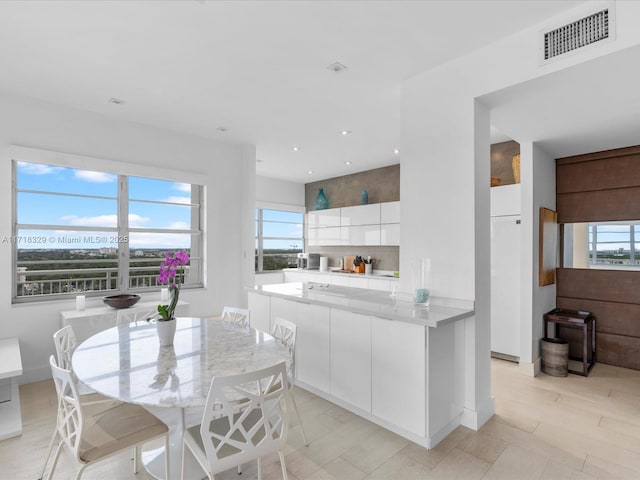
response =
{"points": [[321, 201], [364, 197]]}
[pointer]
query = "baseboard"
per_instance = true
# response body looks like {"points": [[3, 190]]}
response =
{"points": [[530, 369], [475, 419]]}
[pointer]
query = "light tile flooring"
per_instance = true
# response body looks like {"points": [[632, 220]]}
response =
{"points": [[544, 428]]}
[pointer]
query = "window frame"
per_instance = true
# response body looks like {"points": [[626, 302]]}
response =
{"points": [[196, 230], [259, 234], [593, 245]]}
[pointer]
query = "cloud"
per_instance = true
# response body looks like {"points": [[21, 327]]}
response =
{"points": [[178, 226], [37, 168], [95, 177], [182, 200], [182, 187], [104, 220]]}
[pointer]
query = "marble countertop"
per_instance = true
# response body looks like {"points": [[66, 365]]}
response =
{"points": [[370, 302]]}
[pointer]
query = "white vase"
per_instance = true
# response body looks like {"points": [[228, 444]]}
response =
{"points": [[166, 331]]}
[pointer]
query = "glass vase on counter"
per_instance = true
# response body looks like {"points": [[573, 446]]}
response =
{"points": [[420, 272]]}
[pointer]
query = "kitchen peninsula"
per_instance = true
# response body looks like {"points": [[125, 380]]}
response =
{"points": [[377, 355]]}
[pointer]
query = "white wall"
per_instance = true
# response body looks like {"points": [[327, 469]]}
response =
{"points": [[274, 193], [226, 170], [445, 174]]}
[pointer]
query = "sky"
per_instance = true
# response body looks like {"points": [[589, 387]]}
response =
{"points": [[79, 211]]}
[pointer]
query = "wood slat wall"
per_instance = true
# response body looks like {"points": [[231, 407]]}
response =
{"points": [[600, 187], [613, 297]]}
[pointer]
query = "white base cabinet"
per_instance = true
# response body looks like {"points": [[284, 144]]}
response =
{"points": [[351, 358], [313, 346], [260, 311], [398, 374]]}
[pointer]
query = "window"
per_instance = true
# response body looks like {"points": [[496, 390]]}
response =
{"points": [[614, 244], [80, 230], [279, 239]]}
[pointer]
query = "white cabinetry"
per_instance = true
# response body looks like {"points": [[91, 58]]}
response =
{"points": [[370, 225], [260, 308], [313, 346], [323, 227], [505, 285], [351, 358], [360, 215], [398, 374]]}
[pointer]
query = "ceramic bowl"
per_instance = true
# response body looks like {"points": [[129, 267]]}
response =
{"points": [[121, 301]]}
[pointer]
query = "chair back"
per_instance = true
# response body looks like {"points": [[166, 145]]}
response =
{"points": [[285, 332], [238, 316], [132, 315], [69, 415], [245, 417], [65, 342]]}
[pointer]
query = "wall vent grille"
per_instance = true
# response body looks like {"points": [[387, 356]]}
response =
{"points": [[578, 34]]}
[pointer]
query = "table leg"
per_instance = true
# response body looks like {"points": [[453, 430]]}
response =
{"points": [[153, 458]]}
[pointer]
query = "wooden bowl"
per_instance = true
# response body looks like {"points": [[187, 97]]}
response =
{"points": [[121, 301]]}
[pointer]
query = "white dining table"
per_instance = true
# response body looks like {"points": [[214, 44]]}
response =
{"points": [[126, 363]]}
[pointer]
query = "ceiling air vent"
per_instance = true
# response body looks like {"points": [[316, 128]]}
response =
{"points": [[578, 34]]}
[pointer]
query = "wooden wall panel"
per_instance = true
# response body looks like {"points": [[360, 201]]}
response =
{"points": [[603, 174], [613, 297]]}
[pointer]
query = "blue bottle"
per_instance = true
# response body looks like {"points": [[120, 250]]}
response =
{"points": [[364, 197], [321, 202]]}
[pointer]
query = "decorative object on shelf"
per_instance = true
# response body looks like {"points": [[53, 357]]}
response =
{"points": [[166, 313], [421, 270], [120, 301], [321, 202], [495, 181], [364, 197], [515, 166], [80, 302]]}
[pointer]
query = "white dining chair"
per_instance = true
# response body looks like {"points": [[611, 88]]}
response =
{"points": [[245, 418], [238, 316], [94, 432], [65, 343], [286, 332], [133, 315]]}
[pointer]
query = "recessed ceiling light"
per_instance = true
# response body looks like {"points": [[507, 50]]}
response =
{"points": [[116, 101], [337, 67], [222, 129], [309, 172], [296, 149], [345, 132], [396, 151], [347, 162]]}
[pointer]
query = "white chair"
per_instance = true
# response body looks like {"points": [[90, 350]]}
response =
{"points": [[238, 316], [95, 432], [285, 332], [132, 315], [65, 343], [245, 418]]}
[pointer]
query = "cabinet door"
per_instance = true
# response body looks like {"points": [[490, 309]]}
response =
{"points": [[360, 215], [390, 212], [505, 285], [360, 235], [379, 284], [390, 234], [340, 280], [313, 353], [351, 358], [398, 374], [285, 309], [324, 218], [357, 281], [260, 308], [325, 236]]}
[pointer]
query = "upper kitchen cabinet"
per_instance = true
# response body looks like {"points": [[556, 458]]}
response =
{"points": [[390, 223], [360, 215], [324, 218]]}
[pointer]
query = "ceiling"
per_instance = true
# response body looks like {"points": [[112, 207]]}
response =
{"points": [[258, 69]]}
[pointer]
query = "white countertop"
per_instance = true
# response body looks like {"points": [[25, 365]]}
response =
{"points": [[368, 302], [383, 274]]}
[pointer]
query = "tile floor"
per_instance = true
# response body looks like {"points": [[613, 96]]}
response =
{"points": [[544, 428]]}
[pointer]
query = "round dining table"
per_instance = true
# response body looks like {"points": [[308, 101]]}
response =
{"points": [[127, 363]]}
